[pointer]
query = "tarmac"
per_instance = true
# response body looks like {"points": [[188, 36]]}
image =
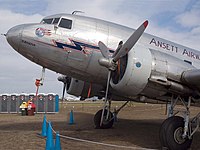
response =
{"points": [[137, 128]]}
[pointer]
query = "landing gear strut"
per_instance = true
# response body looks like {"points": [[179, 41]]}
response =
{"points": [[176, 132], [104, 118]]}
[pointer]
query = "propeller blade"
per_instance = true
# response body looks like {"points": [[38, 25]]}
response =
{"points": [[126, 47], [118, 48], [64, 87], [104, 49]]}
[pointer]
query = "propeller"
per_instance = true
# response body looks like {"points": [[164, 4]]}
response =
{"points": [[66, 82], [110, 62]]}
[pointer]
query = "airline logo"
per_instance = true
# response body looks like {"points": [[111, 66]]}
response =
{"points": [[40, 32]]}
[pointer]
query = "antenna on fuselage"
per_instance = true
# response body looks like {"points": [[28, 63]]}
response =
{"points": [[77, 11]]}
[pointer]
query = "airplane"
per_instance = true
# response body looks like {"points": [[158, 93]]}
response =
{"points": [[104, 59]]}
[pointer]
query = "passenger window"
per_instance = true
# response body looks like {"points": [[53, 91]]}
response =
{"points": [[47, 21], [65, 23], [55, 21]]}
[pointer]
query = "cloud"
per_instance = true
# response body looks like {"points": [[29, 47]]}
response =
{"points": [[189, 18], [17, 73], [10, 19], [27, 7]]}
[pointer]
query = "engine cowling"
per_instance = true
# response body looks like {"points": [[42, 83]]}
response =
{"points": [[134, 77]]}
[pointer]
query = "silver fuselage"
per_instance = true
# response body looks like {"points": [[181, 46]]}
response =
{"points": [[74, 52]]}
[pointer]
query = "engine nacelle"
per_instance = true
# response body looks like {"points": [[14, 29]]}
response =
{"points": [[150, 73], [135, 77], [84, 89], [166, 75]]}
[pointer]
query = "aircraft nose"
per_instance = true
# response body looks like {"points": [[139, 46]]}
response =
{"points": [[13, 36]]}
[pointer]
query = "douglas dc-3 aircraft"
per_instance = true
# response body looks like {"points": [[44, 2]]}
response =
{"points": [[104, 59]]}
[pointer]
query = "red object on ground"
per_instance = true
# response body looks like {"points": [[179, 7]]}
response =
{"points": [[31, 109]]}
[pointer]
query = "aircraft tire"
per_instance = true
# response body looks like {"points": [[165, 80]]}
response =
{"points": [[172, 136], [106, 124], [162, 132]]}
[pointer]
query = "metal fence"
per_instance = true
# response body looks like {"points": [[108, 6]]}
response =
{"points": [[45, 103]]}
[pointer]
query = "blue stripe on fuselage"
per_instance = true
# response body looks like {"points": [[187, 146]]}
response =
{"points": [[77, 46], [62, 45]]}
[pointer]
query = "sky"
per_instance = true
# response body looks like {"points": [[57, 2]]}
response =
{"points": [[177, 21]]}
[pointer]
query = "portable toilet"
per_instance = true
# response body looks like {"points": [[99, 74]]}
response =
{"points": [[40, 106], [50, 103], [4, 103], [26, 97], [56, 103], [32, 98], [13, 104]]}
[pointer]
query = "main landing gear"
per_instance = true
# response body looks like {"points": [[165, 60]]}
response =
{"points": [[104, 118], [176, 132]]}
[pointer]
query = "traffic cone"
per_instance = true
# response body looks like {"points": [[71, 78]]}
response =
{"points": [[44, 127], [57, 142], [49, 139], [71, 118]]}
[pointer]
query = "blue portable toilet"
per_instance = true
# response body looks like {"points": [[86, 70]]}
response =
{"points": [[56, 103]]}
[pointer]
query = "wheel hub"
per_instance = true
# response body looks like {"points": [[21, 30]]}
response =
{"points": [[106, 119], [178, 135]]}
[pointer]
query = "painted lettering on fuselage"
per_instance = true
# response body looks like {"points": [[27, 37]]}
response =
{"points": [[173, 48], [28, 43], [164, 45], [191, 54]]}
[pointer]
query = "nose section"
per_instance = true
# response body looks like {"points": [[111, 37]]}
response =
{"points": [[13, 36]]}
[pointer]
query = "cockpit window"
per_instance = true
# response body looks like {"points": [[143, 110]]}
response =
{"points": [[65, 23], [50, 21], [55, 21], [47, 21]]}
